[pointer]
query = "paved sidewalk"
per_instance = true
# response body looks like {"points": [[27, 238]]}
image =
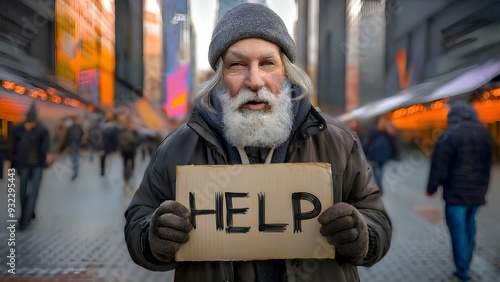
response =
{"points": [[78, 233], [421, 247]]}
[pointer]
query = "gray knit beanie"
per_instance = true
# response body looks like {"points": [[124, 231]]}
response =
{"points": [[249, 20]]}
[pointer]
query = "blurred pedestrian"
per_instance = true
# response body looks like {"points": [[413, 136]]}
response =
{"points": [[94, 138], [29, 154], [147, 142], [109, 131], [4, 149], [59, 143], [380, 147], [153, 140], [128, 140], [461, 164], [256, 110], [73, 139]]}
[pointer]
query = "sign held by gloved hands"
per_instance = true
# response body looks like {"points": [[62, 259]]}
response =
{"points": [[253, 212]]}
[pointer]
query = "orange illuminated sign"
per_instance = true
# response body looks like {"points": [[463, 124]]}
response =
{"points": [[405, 74], [85, 40]]}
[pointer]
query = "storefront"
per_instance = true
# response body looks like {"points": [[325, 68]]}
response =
{"points": [[435, 53], [419, 112]]}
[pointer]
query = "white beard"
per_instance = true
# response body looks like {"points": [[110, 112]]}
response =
{"points": [[265, 128]]}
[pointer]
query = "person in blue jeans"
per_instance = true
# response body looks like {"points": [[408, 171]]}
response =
{"points": [[461, 164], [74, 136], [380, 147], [29, 144]]}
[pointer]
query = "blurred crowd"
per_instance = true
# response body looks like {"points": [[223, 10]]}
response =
{"points": [[33, 145]]}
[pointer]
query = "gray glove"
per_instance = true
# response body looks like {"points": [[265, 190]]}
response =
{"points": [[168, 229], [344, 227]]}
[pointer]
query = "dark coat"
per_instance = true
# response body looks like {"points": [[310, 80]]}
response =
{"points": [[128, 140], [318, 139], [74, 134], [461, 161], [21, 140], [107, 137], [379, 146]]}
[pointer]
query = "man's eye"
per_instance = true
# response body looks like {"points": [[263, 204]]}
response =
{"points": [[268, 63], [235, 64]]}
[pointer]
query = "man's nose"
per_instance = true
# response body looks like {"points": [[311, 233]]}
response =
{"points": [[254, 80]]}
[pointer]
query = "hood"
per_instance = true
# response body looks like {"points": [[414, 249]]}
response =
{"points": [[31, 115], [461, 111]]}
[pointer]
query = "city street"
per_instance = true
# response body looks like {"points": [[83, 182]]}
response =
{"points": [[78, 231]]}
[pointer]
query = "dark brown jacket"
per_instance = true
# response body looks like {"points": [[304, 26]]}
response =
{"points": [[319, 139]]}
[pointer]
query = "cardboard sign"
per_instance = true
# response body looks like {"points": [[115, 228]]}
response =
{"points": [[255, 212]]}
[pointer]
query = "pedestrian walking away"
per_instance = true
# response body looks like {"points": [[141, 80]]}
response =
{"points": [[108, 144], [128, 141], [461, 165], [29, 154], [73, 139], [255, 109], [380, 147]]}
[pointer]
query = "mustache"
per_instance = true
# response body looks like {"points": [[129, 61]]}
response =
{"points": [[263, 95]]}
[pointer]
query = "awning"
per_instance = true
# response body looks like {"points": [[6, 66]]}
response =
{"points": [[40, 90], [467, 82], [385, 105], [451, 84]]}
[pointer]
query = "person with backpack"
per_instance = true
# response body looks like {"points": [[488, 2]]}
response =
{"points": [[127, 144]]}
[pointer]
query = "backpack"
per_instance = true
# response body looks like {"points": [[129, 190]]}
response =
{"points": [[127, 141]]}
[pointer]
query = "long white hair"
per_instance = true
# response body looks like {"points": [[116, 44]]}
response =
{"points": [[292, 72]]}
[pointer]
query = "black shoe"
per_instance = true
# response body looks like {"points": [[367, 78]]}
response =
{"points": [[22, 226], [73, 177]]}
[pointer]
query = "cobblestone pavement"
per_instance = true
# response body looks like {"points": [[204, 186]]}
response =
{"points": [[78, 232]]}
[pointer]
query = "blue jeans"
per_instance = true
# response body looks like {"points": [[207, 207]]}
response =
{"points": [[462, 225], [378, 173], [29, 195]]}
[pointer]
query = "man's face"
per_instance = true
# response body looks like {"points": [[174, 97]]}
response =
{"points": [[255, 97], [253, 63], [29, 125]]}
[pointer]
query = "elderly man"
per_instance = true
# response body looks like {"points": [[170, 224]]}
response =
{"points": [[255, 109]]}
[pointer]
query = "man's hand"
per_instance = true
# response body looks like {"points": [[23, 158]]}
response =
{"points": [[345, 228], [49, 159], [169, 229]]}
